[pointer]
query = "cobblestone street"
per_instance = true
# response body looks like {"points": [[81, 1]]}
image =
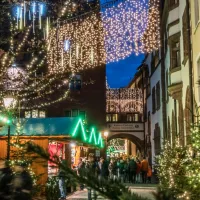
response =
{"points": [[144, 191]]}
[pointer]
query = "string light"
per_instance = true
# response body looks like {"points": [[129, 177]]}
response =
{"points": [[83, 42], [124, 100]]}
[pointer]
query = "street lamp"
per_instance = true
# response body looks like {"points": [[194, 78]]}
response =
{"points": [[9, 103]]}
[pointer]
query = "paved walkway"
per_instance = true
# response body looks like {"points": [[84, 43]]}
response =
{"points": [[142, 190]]}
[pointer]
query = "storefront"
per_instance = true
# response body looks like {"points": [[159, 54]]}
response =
{"points": [[67, 137]]}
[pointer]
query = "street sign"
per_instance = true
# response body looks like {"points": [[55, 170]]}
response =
{"points": [[126, 126]]}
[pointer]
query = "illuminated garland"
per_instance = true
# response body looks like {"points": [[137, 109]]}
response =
{"points": [[93, 138], [130, 27], [77, 45], [83, 42]]}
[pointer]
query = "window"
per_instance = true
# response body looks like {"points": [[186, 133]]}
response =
{"points": [[153, 100], [115, 117], [197, 11], [74, 113], [166, 42], [157, 145], [185, 35], [42, 114], [68, 113], [167, 84], [112, 117], [27, 114], [109, 118], [158, 95], [82, 114], [34, 113], [175, 56], [149, 123], [198, 67], [129, 118], [156, 58], [173, 4], [152, 63], [133, 117], [136, 117], [148, 84]]}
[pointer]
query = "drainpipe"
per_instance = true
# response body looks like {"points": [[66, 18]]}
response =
{"points": [[143, 109], [175, 113], [190, 61]]}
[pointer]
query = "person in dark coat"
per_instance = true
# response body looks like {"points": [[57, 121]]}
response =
{"points": [[80, 170], [121, 170], [22, 183], [103, 165], [132, 170], [61, 179], [6, 176], [112, 169]]}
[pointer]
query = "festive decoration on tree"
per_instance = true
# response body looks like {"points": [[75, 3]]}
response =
{"points": [[179, 167]]}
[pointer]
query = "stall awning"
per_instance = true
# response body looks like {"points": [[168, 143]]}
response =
{"points": [[43, 126], [62, 126]]}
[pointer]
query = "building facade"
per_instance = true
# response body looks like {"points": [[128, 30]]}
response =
{"points": [[170, 78], [124, 117], [195, 36]]}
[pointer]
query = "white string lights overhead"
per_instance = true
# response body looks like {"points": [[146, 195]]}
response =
{"points": [[130, 27], [84, 41], [77, 45], [124, 100]]}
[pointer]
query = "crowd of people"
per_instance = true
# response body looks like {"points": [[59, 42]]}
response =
{"points": [[126, 170]]}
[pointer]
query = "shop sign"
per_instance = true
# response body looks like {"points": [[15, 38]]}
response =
{"points": [[126, 126], [97, 153]]}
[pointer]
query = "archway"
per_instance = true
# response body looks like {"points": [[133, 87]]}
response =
{"points": [[133, 146]]}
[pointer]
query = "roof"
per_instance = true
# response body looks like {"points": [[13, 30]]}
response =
{"points": [[73, 127], [43, 126]]}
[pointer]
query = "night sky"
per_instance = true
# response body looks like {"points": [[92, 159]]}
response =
{"points": [[119, 74]]}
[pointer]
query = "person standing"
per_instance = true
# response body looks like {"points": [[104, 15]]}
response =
{"points": [[144, 169], [132, 170], [149, 174], [80, 171], [61, 179], [138, 171], [121, 170], [112, 170]]}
